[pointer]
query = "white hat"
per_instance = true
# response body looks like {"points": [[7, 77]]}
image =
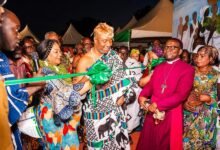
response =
{"points": [[196, 49]]}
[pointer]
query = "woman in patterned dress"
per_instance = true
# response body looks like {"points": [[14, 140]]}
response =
{"points": [[200, 114], [59, 110]]}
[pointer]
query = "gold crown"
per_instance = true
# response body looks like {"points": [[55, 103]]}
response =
{"points": [[211, 2]]}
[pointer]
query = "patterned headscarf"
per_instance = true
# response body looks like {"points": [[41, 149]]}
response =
{"points": [[135, 51]]}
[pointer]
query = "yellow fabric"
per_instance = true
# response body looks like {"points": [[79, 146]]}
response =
{"points": [[5, 132], [135, 51]]}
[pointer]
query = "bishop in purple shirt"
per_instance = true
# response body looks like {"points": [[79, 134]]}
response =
{"points": [[169, 86]]}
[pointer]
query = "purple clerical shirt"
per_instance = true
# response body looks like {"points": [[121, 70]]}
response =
{"points": [[178, 80]]}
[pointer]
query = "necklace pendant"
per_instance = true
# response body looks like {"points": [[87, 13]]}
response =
{"points": [[163, 86]]}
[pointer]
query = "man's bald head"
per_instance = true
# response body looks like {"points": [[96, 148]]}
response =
{"points": [[9, 35]]}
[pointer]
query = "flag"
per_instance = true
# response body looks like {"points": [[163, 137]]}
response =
{"points": [[122, 38]]}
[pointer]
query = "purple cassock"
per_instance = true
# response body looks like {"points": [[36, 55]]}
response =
{"points": [[169, 86]]}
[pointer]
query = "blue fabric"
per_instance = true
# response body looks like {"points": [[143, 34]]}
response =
{"points": [[66, 112], [62, 96], [16, 137], [17, 97]]}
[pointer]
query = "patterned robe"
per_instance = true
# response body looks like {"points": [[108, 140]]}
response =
{"points": [[106, 126], [200, 126], [59, 114]]}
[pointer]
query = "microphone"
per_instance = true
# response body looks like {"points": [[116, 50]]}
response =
{"points": [[35, 59]]}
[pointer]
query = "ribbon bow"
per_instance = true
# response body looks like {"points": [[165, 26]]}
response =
{"points": [[155, 62], [99, 73]]}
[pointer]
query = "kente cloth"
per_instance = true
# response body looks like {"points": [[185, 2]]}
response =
{"points": [[106, 126], [17, 97], [200, 126], [167, 135], [59, 113]]}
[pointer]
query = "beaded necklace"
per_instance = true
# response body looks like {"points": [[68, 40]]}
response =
{"points": [[60, 69]]}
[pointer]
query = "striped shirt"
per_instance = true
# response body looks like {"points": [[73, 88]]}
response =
{"points": [[17, 96]]}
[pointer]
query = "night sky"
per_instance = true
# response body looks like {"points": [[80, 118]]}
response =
{"points": [[48, 15]]}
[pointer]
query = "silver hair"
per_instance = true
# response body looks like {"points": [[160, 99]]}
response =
{"points": [[48, 33]]}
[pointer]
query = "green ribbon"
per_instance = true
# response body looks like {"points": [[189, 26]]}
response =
{"points": [[99, 73], [155, 62], [45, 78], [97, 145]]}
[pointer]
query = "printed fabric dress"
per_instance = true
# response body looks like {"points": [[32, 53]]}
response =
{"points": [[134, 113], [200, 126], [59, 114], [106, 123]]}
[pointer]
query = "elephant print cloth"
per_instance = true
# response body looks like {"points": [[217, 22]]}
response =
{"points": [[106, 126]]}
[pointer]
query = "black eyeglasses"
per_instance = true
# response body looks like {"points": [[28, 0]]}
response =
{"points": [[171, 47]]}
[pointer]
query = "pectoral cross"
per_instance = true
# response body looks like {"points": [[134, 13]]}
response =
{"points": [[163, 86]]}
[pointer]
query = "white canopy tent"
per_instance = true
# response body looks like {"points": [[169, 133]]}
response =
{"points": [[118, 30], [71, 36], [27, 32], [156, 23], [130, 24]]}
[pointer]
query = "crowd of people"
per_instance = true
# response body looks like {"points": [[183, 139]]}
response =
{"points": [[165, 92]]}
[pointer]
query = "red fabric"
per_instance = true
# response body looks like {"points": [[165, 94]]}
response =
{"points": [[146, 73], [176, 131], [49, 139], [71, 128], [29, 73], [65, 129], [20, 69], [141, 59]]}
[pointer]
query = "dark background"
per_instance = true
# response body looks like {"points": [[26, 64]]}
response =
{"points": [[56, 15]]}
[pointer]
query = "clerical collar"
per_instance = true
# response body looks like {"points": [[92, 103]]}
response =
{"points": [[171, 62]]}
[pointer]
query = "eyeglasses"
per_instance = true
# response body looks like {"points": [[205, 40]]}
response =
{"points": [[171, 47]]}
